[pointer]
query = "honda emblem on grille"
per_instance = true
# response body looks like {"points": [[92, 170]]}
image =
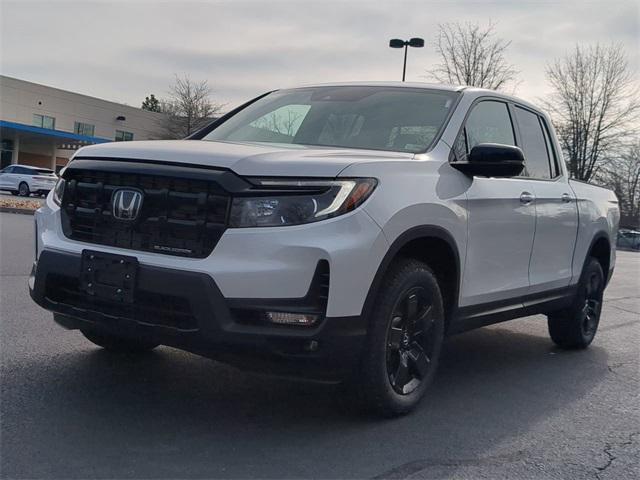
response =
{"points": [[126, 203]]}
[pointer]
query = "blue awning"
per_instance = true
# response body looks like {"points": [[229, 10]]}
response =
{"points": [[57, 134]]}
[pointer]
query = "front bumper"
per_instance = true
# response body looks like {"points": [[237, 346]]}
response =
{"points": [[264, 263], [187, 310]]}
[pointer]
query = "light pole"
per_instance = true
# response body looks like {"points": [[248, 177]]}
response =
{"points": [[397, 43]]}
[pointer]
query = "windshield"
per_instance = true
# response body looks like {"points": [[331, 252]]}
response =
{"points": [[397, 119]]}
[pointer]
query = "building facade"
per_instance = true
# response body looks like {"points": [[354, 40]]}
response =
{"points": [[42, 126]]}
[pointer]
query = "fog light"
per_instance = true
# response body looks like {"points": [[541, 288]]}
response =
{"points": [[292, 318]]}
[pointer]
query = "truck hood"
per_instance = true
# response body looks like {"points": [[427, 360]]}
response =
{"points": [[248, 159]]}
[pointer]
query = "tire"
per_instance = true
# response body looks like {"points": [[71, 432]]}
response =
{"points": [[23, 189], [14, 192], [576, 326], [114, 343], [405, 338]]}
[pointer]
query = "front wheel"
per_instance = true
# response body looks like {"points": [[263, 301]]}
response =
{"points": [[114, 343], [404, 342], [576, 326]]}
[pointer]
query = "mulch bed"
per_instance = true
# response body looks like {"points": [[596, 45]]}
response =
{"points": [[18, 205]]}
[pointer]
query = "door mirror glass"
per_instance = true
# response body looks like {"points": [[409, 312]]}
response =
{"points": [[492, 160]]}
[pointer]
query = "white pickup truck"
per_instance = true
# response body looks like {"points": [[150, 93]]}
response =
{"points": [[335, 232]]}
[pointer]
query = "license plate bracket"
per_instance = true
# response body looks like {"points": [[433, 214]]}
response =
{"points": [[108, 276]]}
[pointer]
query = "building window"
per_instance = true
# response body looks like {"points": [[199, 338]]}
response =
{"points": [[122, 136], [84, 129], [44, 121]]}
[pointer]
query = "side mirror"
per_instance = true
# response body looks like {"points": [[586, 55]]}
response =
{"points": [[492, 160]]}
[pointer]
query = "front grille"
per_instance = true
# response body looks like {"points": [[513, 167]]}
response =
{"points": [[183, 216]]}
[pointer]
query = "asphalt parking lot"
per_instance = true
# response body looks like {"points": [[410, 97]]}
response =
{"points": [[505, 404]]}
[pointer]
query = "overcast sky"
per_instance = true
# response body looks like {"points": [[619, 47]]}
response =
{"points": [[124, 50]]}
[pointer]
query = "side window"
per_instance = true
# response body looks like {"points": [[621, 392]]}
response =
{"points": [[460, 148], [122, 136], [44, 121], [534, 145], [555, 166], [7, 170], [488, 122], [84, 129]]}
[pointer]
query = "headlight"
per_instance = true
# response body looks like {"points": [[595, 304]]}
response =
{"points": [[58, 191], [294, 202]]}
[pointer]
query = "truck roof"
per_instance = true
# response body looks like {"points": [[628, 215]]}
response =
{"points": [[475, 91], [431, 86]]}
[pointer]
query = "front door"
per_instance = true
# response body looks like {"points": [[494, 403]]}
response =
{"points": [[5, 177], [500, 237], [501, 222]]}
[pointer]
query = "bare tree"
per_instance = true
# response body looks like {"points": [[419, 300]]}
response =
{"points": [[622, 175], [279, 123], [188, 108], [471, 54], [594, 105]]}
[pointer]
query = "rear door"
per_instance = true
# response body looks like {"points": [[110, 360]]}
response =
{"points": [[501, 216], [556, 209]]}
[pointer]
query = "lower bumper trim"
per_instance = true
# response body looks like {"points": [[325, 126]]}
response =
{"points": [[186, 310]]}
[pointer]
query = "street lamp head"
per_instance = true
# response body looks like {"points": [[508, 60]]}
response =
{"points": [[397, 43]]}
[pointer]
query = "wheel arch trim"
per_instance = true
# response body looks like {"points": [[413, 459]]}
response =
{"points": [[414, 233], [600, 235]]}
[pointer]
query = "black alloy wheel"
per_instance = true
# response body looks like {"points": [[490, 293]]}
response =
{"points": [[404, 340], [410, 343], [592, 304], [576, 326]]}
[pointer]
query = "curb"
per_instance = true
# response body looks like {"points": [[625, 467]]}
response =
{"points": [[23, 211]]}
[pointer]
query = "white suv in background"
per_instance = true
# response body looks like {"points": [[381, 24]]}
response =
{"points": [[24, 180], [335, 232]]}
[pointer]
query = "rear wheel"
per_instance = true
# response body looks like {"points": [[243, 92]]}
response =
{"points": [[114, 343], [23, 189], [576, 326], [404, 342]]}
